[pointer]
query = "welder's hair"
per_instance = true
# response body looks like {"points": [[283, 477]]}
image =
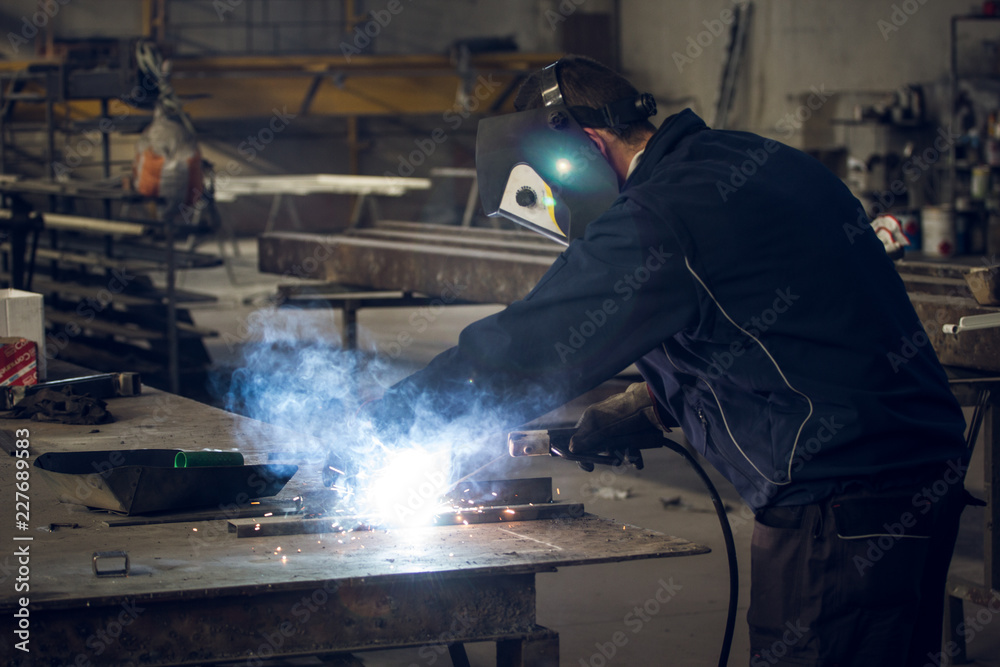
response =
{"points": [[586, 82]]}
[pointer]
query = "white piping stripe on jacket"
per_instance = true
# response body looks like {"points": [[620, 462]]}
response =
{"points": [[798, 435], [865, 537]]}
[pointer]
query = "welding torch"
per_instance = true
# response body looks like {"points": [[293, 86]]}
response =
{"points": [[555, 442]]}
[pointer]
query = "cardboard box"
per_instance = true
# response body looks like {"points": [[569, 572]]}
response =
{"points": [[22, 315], [18, 362]]}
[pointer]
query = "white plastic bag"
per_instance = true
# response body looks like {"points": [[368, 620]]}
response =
{"points": [[167, 162]]}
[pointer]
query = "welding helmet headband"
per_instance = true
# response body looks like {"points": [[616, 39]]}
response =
{"points": [[541, 170]]}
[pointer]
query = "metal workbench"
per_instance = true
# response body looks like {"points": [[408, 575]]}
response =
{"points": [[197, 594]]}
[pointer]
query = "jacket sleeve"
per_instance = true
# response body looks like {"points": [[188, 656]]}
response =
{"points": [[607, 300]]}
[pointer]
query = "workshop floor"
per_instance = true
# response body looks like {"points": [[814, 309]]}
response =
{"points": [[586, 605]]}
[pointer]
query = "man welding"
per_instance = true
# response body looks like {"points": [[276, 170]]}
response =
{"points": [[743, 280]]}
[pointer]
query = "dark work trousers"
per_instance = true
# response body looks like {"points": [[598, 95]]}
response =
{"points": [[857, 580]]}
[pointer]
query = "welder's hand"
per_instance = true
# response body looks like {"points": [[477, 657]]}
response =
{"points": [[617, 424]]}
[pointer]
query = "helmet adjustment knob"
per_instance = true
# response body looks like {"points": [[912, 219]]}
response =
{"points": [[526, 197]]}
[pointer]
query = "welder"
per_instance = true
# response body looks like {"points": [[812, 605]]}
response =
{"points": [[743, 280]]}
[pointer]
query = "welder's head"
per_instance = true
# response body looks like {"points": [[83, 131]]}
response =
{"points": [[584, 82], [539, 167]]}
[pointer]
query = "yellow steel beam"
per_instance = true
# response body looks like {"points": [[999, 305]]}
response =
{"points": [[359, 63], [252, 86], [364, 96]]}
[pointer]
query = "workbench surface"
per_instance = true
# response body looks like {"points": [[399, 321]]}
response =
{"points": [[202, 568]]}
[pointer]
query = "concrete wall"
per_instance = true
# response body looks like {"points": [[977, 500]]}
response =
{"points": [[795, 47]]}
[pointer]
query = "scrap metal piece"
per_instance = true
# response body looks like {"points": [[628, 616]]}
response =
{"points": [[105, 385], [145, 480], [272, 526], [121, 572], [535, 490]]}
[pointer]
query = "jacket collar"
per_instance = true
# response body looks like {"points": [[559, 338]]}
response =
{"points": [[671, 132]]}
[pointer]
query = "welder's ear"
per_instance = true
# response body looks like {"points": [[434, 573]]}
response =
{"points": [[598, 140]]}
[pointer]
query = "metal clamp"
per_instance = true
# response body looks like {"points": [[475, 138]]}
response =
{"points": [[111, 573]]}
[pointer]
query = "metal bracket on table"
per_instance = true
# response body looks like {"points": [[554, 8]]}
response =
{"points": [[106, 385], [122, 572]]}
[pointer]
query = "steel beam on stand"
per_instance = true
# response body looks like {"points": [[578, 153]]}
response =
{"points": [[478, 272]]}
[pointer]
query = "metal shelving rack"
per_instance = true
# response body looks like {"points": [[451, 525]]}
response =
{"points": [[956, 171], [49, 84]]}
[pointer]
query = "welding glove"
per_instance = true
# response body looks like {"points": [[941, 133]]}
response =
{"points": [[890, 233], [618, 424]]}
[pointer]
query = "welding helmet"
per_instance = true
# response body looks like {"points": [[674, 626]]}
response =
{"points": [[541, 170]]}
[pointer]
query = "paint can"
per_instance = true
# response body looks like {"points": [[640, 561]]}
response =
{"points": [[937, 224], [980, 183]]}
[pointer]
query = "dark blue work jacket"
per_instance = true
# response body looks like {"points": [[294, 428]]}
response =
{"points": [[744, 281]]}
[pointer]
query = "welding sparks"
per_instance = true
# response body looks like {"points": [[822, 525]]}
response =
{"points": [[407, 490]]}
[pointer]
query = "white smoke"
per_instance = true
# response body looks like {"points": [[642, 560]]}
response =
{"points": [[296, 375]]}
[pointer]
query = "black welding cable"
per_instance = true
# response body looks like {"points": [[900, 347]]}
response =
{"points": [[559, 439], [727, 534]]}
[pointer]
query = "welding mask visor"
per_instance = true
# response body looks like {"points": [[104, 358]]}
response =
{"points": [[541, 170]]}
